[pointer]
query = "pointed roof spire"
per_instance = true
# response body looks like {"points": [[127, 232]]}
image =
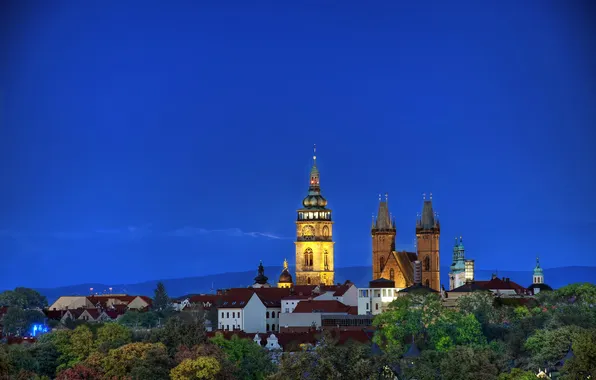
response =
{"points": [[428, 220], [383, 218], [314, 155]]}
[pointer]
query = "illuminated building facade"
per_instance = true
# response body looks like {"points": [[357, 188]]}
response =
{"points": [[314, 236]]}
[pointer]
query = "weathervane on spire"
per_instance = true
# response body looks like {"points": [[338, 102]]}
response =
{"points": [[314, 155], [423, 196], [431, 196], [386, 197]]}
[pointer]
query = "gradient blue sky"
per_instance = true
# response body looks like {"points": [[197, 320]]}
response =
{"points": [[147, 140]]}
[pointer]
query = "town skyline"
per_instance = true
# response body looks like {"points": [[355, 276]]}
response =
{"points": [[178, 141]]}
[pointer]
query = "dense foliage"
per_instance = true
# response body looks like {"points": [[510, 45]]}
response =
{"points": [[417, 338]]}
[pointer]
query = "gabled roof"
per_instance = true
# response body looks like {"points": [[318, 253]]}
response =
{"points": [[326, 306], [295, 297], [469, 287], [236, 300], [305, 290], [503, 284], [338, 290], [418, 288]]}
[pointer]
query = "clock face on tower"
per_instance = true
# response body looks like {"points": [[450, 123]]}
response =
{"points": [[308, 232]]}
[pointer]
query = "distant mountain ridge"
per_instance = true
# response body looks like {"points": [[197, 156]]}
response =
{"points": [[360, 275]]}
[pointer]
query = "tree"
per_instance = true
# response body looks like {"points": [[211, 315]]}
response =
{"points": [[454, 328], [547, 347], [21, 359], [81, 344], [161, 301], [177, 332], [481, 305], [200, 368], [14, 321], [79, 372], [518, 374], [155, 366], [121, 361], [468, 363], [112, 335], [47, 355], [583, 362], [24, 298], [328, 360], [251, 360], [407, 316]]}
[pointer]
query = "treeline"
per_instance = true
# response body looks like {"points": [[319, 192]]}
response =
{"points": [[486, 338]]}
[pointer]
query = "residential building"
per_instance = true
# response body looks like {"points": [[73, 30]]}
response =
{"points": [[376, 298]]}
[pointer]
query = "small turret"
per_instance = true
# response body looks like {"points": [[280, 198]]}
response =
{"points": [[261, 279]]}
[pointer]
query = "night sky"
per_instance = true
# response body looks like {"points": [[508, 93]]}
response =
{"points": [[150, 140]]}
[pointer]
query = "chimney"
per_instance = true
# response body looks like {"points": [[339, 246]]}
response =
{"points": [[417, 272]]}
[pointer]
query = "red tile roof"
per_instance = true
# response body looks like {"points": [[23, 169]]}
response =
{"points": [[326, 306], [289, 298], [502, 284]]}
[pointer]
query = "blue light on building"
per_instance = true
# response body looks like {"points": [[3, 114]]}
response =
{"points": [[38, 329]]}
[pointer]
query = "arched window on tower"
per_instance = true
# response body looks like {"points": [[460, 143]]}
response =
{"points": [[391, 274], [308, 255], [427, 283], [382, 263], [326, 260], [427, 263], [308, 281]]}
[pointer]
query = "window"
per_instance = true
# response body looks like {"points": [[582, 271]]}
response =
{"points": [[427, 283], [308, 280], [391, 274], [376, 306], [325, 259], [228, 314], [308, 257], [427, 263], [272, 327], [287, 310], [268, 327], [233, 315], [228, 327], [382, 263], [367, 306], [267, 315]]}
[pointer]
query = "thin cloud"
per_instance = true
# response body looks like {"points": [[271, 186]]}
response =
{"points": [[235, 232], [134, 232]]}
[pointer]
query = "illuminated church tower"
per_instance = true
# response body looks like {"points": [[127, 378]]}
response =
{"points": [[428, 231], [314, 236]]}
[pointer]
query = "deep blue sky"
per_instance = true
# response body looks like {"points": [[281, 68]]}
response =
{"points": [[146, 141]]}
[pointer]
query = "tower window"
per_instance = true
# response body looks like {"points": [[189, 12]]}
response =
{"points": [[391, 274], [427, 283], [308, 257], [308, 280], [382, 263], [427, 263]]}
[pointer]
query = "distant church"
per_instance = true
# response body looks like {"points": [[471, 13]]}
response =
{"points": [[398, 266]]}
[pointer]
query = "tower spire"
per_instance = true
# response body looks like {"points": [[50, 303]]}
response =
{"points": [[314, 154]]}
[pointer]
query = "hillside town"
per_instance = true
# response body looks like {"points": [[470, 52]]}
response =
{"points": [[289, 311]]}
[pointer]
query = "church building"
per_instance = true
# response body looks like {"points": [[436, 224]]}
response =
{"points": [[314, 236], [399, 266]]}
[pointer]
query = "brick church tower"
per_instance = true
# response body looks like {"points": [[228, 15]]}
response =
{"points": [[428, 231], [383, 239]]}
